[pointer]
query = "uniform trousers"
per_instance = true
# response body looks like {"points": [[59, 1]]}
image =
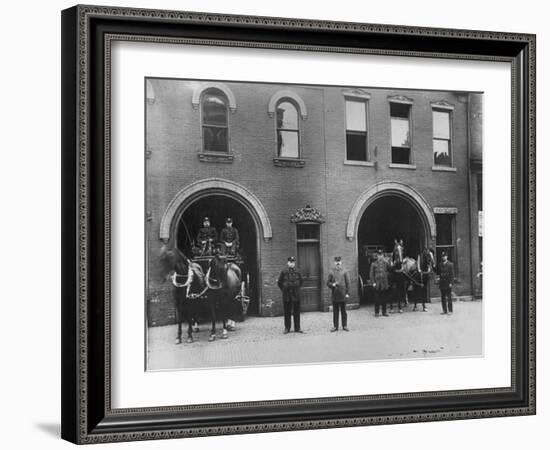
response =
{"points": [[446, 300], [336, 308], [380, 301], [292, 309]]}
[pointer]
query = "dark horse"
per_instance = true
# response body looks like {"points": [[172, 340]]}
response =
{"points": [[420, 287], [396, 278], [417, 278], [190, 291], [224, 278]]}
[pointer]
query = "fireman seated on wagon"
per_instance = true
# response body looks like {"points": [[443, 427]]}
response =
{"points": [[229, 239], [206, 239]]}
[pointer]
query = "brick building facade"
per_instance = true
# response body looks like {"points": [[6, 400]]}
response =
{"points": [[312, 171]]}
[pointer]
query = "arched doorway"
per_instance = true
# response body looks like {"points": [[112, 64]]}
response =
{"points": [[383, 212], [387, 218], [219, 198], [217, 208]]}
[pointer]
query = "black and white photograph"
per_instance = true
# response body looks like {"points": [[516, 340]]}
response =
{"points": [[305, 224]]}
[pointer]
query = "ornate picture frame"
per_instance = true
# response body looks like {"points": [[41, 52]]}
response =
{"points": [[88, 33]]}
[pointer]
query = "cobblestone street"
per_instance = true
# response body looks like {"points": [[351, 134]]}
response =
{"points": [[260, 341]]}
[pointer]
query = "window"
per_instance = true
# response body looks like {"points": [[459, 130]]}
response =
{"points": [[307, 231], [400, 133], [356, 130], [288, 134], [214, 122], [442, 138], [446, 242]]}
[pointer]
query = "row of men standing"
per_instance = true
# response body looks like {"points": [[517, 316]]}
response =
{"points": [[290, 281]]}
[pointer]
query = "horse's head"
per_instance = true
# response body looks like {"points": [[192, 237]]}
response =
{"points": [[427, 260], [171, 260]]}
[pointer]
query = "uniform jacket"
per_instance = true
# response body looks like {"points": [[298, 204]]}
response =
{"points": [[230, 235], [206, 233], [446, 273], [341, 278], [379, 270], [289, 282]]}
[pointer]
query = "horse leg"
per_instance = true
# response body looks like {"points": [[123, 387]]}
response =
{"points": [[178, 338], [212, 305], [402, 294], [424, 297], [179, 315], [223, 312], [190, 316]]}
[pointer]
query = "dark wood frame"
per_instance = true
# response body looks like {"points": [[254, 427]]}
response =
{"points": [[87, 32]]}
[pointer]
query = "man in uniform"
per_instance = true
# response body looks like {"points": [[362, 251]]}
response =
{"points": [[338, 282], [289, 282], [379, 270], [206, 238], [446, 273], [229, 238]]}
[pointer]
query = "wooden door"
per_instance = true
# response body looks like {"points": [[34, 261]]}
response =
{"points": [[309, 263]]}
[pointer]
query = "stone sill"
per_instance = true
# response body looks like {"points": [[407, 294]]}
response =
{"points": [[289, 162], [348, 162], [216, 157], [443, 169], [403, 166]]}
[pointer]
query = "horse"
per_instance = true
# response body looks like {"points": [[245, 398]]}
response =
{"points": [[176, 267], [224, 279], [417, 276], [396, 277]]}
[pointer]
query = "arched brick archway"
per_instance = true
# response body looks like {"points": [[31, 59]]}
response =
{"points": [[212, 186], [395, 188]]}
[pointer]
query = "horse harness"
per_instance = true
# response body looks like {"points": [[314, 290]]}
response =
{"points": [[187, 284]]}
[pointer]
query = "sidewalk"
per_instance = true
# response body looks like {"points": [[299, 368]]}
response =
{"points": [[260, 341]]}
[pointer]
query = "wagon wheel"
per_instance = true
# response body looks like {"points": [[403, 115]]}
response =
{"points": [[244, 294], [361, 287]]}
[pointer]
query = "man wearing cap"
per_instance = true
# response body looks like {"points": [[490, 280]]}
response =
{"points": [[446, 271], [229, 238], [289, 282], [379, 270], [206, 237], [338, 282]]}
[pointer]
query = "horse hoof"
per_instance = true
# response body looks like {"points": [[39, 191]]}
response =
{"points": [[224, 335], [212, 338], [178, 341], [189, 340]]}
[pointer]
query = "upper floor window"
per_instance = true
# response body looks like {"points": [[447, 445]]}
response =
{"points": [[442, 137], [288, 132], [356, 130], [215, 129], [400, 133]]}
